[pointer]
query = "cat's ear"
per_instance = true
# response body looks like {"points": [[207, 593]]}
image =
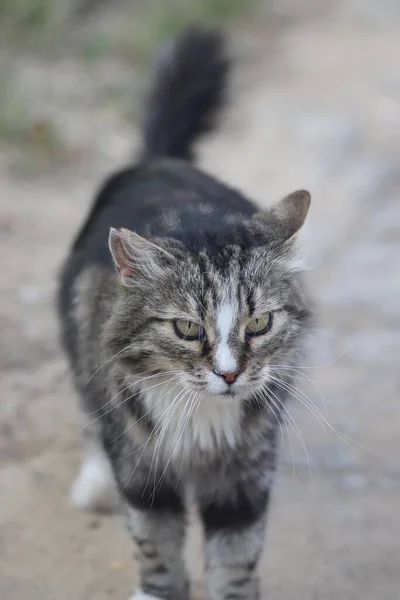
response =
{"points": [[121, 251], [134, 255], [289, 214]]}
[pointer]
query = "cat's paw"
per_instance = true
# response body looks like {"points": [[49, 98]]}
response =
{"points": [[140, 595], [94, 488]]}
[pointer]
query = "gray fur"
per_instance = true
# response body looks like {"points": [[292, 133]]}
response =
{"points": [[161, 416]]}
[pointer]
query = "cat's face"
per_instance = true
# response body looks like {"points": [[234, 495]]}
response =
{"points": [[221, 322]]}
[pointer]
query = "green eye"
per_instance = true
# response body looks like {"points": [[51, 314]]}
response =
{"points": [[188, 330], [259, 325]]}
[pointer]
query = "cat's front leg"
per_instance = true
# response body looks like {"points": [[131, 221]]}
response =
{"points": [[157, 525], [234, 531]]}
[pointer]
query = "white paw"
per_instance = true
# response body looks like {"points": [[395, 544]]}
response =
{"points": [[94, 487], [140, 595]]}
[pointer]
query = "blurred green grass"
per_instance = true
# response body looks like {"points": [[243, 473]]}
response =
{"points": [[50, 25], [34, 141], [166, 20], [12, 113], [26, 15], [52, 30], [32, 25]]}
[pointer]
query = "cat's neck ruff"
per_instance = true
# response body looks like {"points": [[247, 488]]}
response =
{"points": [[187, 421]]}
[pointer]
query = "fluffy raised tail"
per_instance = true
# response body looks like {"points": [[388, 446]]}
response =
{"points": [[188, 89]]}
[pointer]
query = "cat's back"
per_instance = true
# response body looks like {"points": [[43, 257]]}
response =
{"points": [[161, 198]]}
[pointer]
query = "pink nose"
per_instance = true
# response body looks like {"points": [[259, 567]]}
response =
{"points": [[229, 377]]}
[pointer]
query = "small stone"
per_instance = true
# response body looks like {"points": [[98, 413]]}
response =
{"points": [[94, 524], [117, 565]]}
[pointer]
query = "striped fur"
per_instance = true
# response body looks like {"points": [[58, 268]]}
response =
{"points": [[173, 421]]}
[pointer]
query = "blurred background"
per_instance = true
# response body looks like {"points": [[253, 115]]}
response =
{"points": [[315, 103]]}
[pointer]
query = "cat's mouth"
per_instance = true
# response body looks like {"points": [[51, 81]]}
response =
{"points": [[229, 393], [232, 393], [225, 398]]}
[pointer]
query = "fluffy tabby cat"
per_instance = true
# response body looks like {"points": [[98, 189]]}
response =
{"points": [[179, 331]]}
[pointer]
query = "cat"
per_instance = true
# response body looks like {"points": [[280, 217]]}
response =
{"points": [[181, 332]]}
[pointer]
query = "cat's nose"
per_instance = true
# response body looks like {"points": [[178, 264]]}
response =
{"points": [[229, 377]]}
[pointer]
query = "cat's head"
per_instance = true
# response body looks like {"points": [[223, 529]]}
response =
{"points": [[219, 318]]}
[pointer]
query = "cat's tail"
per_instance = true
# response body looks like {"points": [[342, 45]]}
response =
{"points": [[188, 89]]}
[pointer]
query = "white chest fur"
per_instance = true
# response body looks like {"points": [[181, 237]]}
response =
{"points": [[186, 422]]}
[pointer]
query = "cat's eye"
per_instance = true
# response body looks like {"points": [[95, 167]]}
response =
{"points": [[188, 330], [259, 325]]}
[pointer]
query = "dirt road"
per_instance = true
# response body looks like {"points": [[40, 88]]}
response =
{"points": [[319, 107]]}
